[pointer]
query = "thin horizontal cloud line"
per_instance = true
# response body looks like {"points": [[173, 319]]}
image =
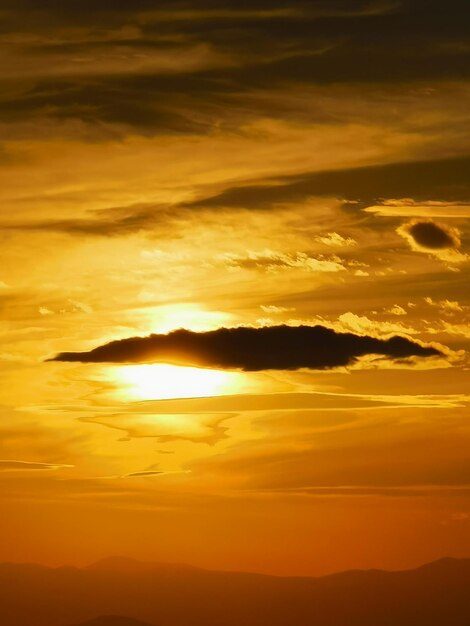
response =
{"points": [[364, 491], [7, 465]]}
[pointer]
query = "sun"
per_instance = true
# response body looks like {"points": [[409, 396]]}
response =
{"points": [[162, 382]]}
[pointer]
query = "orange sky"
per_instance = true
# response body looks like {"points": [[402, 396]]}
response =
{"points": [[214, 165]]}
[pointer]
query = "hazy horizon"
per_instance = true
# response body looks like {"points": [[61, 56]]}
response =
{"points": [[126, 594], [119, 563]]}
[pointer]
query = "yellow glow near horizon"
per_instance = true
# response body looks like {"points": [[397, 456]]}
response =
{"points": [[162, 381]]}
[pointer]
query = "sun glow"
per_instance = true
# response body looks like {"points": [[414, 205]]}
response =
{"points": [[162, 382]]}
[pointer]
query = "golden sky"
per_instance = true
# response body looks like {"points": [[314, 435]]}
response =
{"points": [[289, 184]]}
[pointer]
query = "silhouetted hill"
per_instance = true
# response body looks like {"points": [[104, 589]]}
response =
{"points": [[436, 594]]}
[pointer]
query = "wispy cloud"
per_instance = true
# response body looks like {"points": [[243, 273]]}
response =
{"points": [[14, 466]]}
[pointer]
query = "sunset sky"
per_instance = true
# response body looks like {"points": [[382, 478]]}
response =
{"points": [[290, 184]]}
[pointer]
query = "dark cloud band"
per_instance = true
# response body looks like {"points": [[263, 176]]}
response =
{"points": [[315, 42], [252, 349], [441, 180]]}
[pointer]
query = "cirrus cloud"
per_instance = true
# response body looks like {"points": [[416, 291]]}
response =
{"points": [[7, 465]]}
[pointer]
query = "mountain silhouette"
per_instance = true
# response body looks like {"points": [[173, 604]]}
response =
{"points": [[152, 594]]}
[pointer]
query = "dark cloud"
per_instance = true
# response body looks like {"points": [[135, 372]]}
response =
{"points": [[111, 222], [72, 7], [252, 349], [428, 234], [311, 43], [106, 102], [443, 179], [434, 238]]}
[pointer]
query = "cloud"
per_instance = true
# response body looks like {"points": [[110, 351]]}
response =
{"points": [[186, 425], [430, 235], [405, 207], [446, 306], [433, 180], [182, 69], [432, 454], [361, 324], [443, 179], [142, 474], [387, 491], [434, 238], [396, 309], [253, 349], [274, 261], [44, 310], [9, 466], [273, 309], [110, 222], [460, 330], [336, 240]]}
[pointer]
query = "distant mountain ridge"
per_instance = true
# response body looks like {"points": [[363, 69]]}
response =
{"points": [[123, 592]]}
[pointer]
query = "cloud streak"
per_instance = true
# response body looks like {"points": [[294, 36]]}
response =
{"points": [[253, 349], [13, 466], [443, 179], [369, 188]]}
